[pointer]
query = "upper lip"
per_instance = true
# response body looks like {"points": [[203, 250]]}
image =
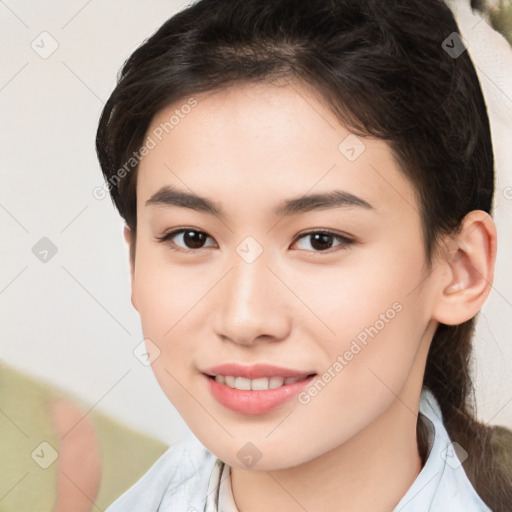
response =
{"points": [[254, 371]]}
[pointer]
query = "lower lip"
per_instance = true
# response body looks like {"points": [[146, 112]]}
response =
{"points": [[255, 402]]}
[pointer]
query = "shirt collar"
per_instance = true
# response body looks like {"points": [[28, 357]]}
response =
{"points": [[441, 485]]}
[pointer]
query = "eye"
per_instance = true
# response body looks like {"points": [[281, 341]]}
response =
{"points": [[323, 240], [193, 239]]}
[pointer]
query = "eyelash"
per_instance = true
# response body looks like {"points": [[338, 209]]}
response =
{"points": [[345, 241]]}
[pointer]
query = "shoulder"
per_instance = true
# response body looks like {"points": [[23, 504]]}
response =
{"points": [[177, 481]]}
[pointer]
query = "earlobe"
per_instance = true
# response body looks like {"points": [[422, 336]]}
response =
{"points": [[129, 240], [127, 233], [469, 270]]}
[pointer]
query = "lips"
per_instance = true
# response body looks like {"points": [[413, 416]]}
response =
{"points": [[255, 402], [254, 390]]}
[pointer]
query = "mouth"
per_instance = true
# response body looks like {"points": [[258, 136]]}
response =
{"points": [[259, 384], [259, 395]]}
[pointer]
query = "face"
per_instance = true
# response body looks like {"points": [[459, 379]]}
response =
{"points": [[263, 273]]}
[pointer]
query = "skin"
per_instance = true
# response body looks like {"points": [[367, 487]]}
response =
{"points": [[353, 446]]}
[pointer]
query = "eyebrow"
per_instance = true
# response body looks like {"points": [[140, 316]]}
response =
{"points": [[171, 196]]}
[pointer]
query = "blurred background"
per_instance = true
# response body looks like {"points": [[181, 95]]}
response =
{"points": [[65, 312], [68, 318]]}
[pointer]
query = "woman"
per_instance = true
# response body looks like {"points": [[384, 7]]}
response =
{"points": [[306, 188]]}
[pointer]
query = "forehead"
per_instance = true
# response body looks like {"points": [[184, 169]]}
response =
{"points": [[266, 141]]}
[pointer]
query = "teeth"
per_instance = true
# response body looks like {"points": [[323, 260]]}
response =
{"points": [[255, 384], [228, 380], [243, 383], [275, 382]]}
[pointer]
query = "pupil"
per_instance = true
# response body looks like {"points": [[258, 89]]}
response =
{"points": [[193, 239], [325, 240]]}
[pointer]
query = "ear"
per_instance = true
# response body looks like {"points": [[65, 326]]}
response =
{"points": [[467, 269], [129, 238]]}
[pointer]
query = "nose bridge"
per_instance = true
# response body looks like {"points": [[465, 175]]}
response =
{"points": [[250, 300]]}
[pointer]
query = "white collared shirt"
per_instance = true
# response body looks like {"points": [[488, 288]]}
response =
{"points": [[186, 478]]}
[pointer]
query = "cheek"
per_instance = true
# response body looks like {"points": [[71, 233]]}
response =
{"points": [[166, 309], [169, 300], [165, 293], [376, 313], [353, 295], [378, 327]]}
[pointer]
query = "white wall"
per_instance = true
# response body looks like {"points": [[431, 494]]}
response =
{"points": [[70, 320]]}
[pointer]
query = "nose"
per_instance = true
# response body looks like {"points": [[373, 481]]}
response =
{"points": [[251, 304]]}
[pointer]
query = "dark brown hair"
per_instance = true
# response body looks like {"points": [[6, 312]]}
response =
{"points": [[385, 69]]}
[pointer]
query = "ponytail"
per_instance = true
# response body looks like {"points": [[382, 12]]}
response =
{"points": [[489, 461]]}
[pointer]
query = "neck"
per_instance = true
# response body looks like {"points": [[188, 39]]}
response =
{"points": [[371, 471]]}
